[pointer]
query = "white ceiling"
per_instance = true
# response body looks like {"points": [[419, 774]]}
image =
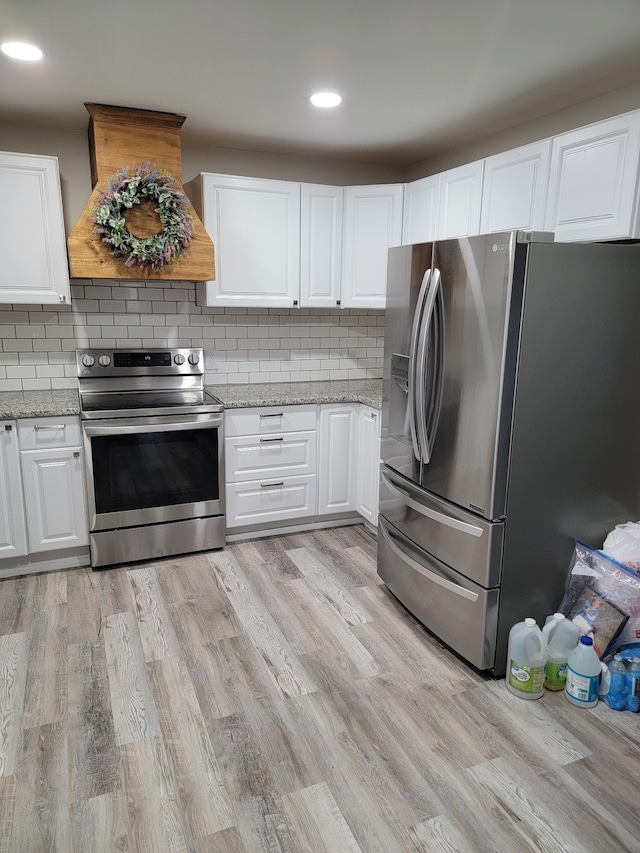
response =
{"points": [[416, 75]]}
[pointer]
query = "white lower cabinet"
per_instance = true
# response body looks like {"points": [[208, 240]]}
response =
{"points": [[270, 462], [53, 482], [13, 532], [368, 463], [271, 499], [337, 466], [297, 464]]}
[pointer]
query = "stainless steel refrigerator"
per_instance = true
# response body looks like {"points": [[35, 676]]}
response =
{"points": [[510, 426]]}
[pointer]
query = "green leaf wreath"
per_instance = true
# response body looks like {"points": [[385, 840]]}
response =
{"points": [[131, 186]]}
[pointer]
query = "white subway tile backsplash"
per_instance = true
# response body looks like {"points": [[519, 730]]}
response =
{"points": [[37, 344]]}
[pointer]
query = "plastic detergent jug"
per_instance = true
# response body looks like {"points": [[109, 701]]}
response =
{"points": [[583, 674], [562, 637], [526, 657]]}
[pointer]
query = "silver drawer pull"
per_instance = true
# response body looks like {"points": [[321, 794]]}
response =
{"points": [[270, 485], [274, 415], [280, 438], [49, 426]]}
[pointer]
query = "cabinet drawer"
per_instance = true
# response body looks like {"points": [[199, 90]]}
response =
{"points": [[270, 500], [270, 420], [272, 456], [40, 433]]}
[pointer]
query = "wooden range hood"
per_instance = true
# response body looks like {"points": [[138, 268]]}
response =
{"points": [[121, 137]]}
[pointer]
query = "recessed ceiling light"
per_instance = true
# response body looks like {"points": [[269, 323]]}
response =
{"points": [[325, 99], [21, 50]]}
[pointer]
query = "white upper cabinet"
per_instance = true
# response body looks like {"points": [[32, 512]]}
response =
{"points": [[321, 246], [421, 210], [255, 226], [593, 183], [32, 238], [460, 201], [372, 223], [515, 189]]}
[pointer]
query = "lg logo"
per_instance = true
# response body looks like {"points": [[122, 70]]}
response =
{"points": [[498, 248]]}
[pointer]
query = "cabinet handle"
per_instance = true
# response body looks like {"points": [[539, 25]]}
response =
{"points": [[269, 485], [338, 302], [76, 454], [280, 438], [49, 426], [8, 427], [274, 415], [373, 416]]}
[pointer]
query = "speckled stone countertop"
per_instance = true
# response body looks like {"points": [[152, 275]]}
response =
{"points": [[41, 404], [38, 404], [367, 391]]}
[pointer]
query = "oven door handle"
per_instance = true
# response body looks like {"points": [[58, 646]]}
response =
{"points": [[126, 426]]}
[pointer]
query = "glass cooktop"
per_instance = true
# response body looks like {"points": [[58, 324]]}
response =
{"points": [[147, 402]]}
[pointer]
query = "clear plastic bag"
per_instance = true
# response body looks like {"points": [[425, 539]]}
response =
{"points": [[623, 544], [602, 597]]}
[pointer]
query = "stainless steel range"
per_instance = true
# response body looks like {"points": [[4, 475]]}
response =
{"points": [[154, 454]]}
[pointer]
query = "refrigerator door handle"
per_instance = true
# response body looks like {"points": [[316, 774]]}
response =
{"points": [[413, 360], [422, 570], [429, 376], [439, 517]]}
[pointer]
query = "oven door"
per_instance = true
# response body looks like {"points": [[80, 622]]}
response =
{"points": [[148, 470]]}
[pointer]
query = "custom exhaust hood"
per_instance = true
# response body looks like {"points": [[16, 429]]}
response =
{"points": [[121, 138]]}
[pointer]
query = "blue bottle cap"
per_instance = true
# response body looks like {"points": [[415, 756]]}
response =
{"points": [[586, 641]]}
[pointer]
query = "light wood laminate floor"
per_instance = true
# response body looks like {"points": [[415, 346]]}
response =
{"points": [[273, 697]]}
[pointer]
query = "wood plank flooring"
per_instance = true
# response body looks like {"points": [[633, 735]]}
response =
{"points": [[273, 697]]}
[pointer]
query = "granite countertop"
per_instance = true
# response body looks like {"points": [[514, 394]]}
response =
{"points": [[367, 391], [41, 404], [38, 404]]}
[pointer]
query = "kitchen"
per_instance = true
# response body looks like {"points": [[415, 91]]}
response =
{"points": [[359, 667]]}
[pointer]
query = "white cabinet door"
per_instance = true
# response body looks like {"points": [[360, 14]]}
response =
{"points": [[421, 210], [260, 503], [337, 458], [372, 223], [54, 496], [514, 191], [32, 237], [593, 183], [13, 533], [460, 201], [273, 456], [368, 463], [255, 227], [321, 246]]}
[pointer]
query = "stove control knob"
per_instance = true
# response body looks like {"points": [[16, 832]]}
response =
{"points": [[104, 360], [88, 360], [179, 358], [194, 358]]}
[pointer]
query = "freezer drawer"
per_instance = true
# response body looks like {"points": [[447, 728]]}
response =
{"points": [[461, 613], [469, 544]]}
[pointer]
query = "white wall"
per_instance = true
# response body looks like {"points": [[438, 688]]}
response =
{"points": [[587, 111], [72, 150]]}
